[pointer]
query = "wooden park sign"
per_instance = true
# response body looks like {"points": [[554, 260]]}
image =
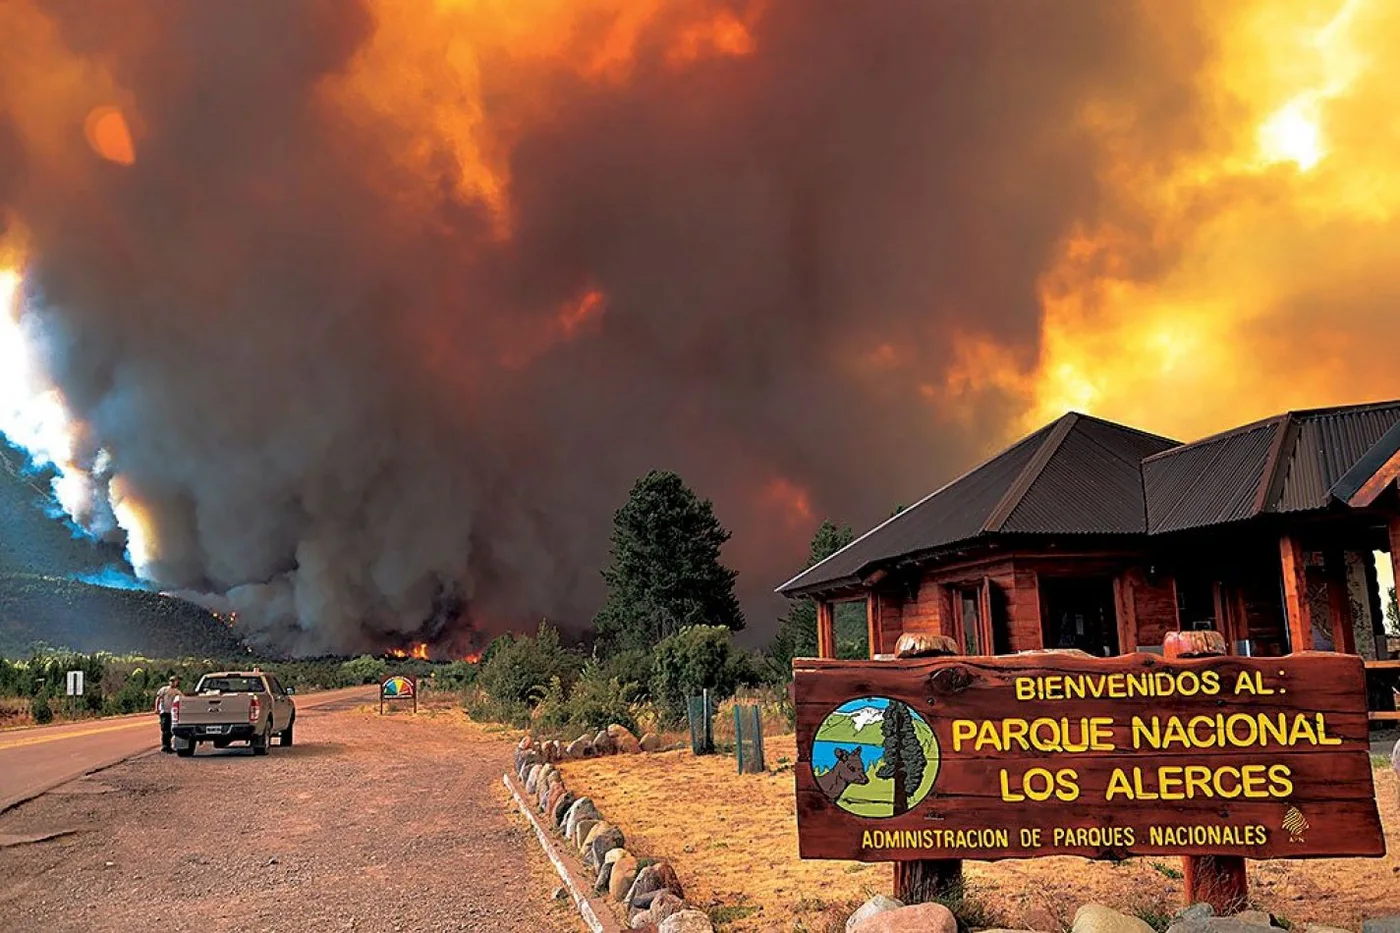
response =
{"points": [[1045, 754]]}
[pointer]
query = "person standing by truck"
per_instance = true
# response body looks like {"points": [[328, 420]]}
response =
{"points": [[164, 696]]}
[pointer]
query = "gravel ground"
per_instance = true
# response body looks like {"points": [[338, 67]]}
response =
{"points": [[399, 823]]}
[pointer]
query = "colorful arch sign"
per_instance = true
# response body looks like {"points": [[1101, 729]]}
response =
{"points": [[398, 687]]}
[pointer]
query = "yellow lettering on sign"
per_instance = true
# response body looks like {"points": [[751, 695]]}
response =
{"points": [[963, 729]]}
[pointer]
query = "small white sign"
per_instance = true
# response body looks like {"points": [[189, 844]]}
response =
{"points": [[75, 683]]}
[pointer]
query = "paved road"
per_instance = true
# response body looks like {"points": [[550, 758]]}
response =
{"points": [[35, 760]]}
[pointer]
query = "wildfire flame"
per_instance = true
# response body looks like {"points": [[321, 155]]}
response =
{"points": [[419, 651]]}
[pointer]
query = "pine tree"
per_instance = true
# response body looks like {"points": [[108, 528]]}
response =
{"points": [[797, 631], [665, 571], [904, 755]]}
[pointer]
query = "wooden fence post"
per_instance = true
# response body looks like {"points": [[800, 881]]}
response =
{"points": [[923, 880], [1217, 880]]}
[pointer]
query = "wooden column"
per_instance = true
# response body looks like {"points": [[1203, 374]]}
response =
{"points": [[1339, 603], [1217, 880], [826, 629], [924, 880], [1295, 594], [874, 633], [1126, 611]]}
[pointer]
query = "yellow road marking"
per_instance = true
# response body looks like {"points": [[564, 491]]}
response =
{"points": [[76, 733]]}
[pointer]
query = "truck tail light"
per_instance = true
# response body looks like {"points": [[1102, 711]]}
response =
{"points": [[254, 707], [175, 711]]}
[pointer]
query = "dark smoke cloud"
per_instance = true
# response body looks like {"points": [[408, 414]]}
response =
{"points": [[291, 345]]}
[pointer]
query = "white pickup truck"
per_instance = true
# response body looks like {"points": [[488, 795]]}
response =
{"points": [[233, 706]]}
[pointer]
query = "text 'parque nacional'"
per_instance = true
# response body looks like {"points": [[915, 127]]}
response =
{"points": [[1024, 756]]}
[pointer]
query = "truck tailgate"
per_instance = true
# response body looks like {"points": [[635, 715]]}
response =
{"points": [[210, 709]]}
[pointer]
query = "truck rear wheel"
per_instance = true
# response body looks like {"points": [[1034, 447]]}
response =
{"points": [[185, 749], [260, 742], [287, 732]]}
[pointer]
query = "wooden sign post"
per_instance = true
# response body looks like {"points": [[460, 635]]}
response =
{"points": [[1217, 880], [946, 758], [398, 687]]}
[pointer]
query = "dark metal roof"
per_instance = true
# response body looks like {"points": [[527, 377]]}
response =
{"points": [[1210, 482], [1077, 475], [1371, 461], [1091, 485], [1083, 475], [1329, 444], [1288, 463]]}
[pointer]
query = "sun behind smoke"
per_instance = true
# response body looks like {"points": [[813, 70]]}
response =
{"points": [[109, 136]]}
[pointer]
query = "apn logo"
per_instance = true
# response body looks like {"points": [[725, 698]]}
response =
{"points": [[1294, 822]]}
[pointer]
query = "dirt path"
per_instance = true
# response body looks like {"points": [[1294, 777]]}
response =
{"points": [[398, 823]]}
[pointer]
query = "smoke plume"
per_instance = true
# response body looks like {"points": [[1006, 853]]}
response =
{"points": [[360, 318]]}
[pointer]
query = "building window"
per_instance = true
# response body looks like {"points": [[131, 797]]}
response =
{"points": [[1079, 612], [1195, 605], [969, 601]]}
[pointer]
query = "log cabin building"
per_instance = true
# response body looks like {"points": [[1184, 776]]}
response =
{"points": [[1094, 535]]}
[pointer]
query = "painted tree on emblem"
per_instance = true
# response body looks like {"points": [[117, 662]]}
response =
{"points": [[904, 755]]}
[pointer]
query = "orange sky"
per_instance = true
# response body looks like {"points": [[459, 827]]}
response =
{"points": [[819, 257]]}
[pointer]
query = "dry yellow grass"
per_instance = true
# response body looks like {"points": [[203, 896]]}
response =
{"points": [[733, 840]]}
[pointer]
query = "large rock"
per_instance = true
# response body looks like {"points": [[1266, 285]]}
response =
{"points": [[653, 878], [601, 844], [546, 787], [581, 830], [877, 904], [1319, 928], [557, 793], [924, 645], [624, 873], [582, 809], [1200, 918], [686, 921], [623, 740], [605, 868], [1096, 918], [651, 742], [532, 780], [603, 744], [916, 918], [579, 748], [1389, 924], [1197, 911], [663, 905], [600, 883], [560, 808], [1256, 917]]}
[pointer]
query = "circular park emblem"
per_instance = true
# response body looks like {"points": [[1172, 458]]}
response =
{"points": [[875, 757]]}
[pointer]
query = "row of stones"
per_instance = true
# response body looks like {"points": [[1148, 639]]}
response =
{"points": [[615, 740], [883, 914], [648, 890]]}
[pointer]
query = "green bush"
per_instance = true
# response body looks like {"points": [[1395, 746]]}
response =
{"points": [[364, 670], [597, 700], [593, 703], [456, 676], [521, 670], [630, 669], [696, 658], [41, 711]]}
